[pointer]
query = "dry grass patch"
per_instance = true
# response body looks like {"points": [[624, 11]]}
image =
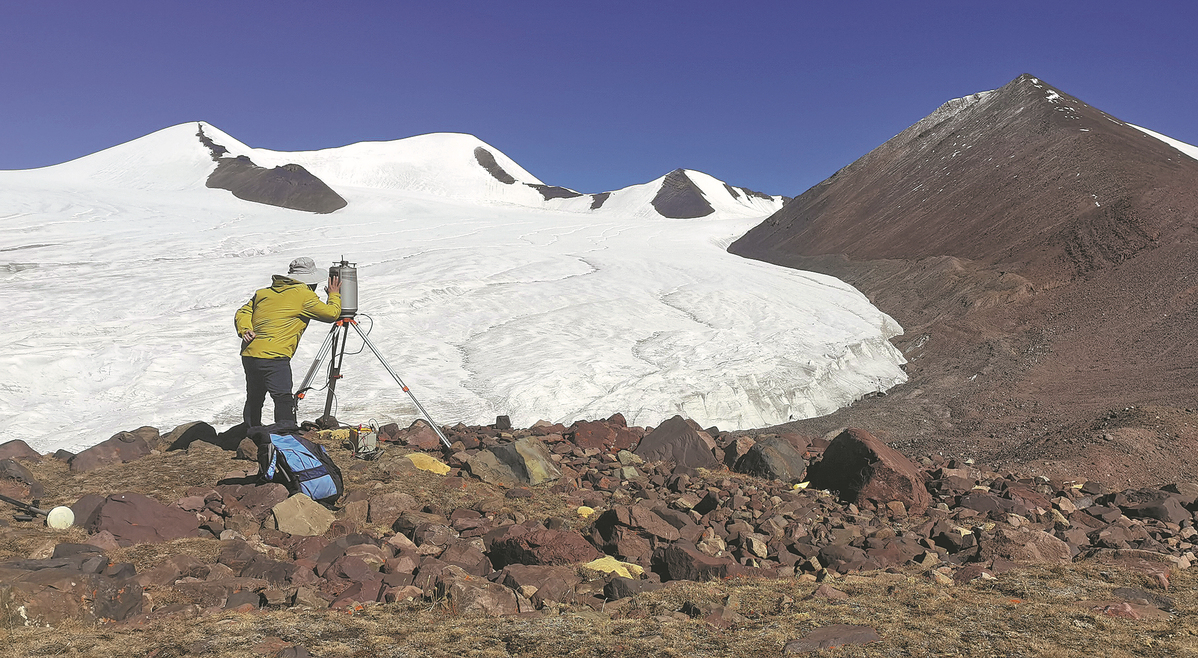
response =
{"points": [[1030, 612]]}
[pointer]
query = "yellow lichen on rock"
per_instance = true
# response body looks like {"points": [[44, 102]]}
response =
{"points": [[334, 435], [609, 564], [427, 463]]}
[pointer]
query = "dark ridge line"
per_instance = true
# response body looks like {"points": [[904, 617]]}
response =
{"points": [[487, 160], [554, 192]]}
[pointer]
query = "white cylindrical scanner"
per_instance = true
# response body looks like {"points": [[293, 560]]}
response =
{"points": [[349, 286], [60, 518]]}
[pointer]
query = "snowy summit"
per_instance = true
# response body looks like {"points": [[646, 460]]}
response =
{"points": [[489, 291]]}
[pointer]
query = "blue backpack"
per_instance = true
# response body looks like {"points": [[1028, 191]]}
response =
{"points": [[300, 465]]}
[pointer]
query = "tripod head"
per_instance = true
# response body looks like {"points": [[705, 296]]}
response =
{"points": [[348, 273]]}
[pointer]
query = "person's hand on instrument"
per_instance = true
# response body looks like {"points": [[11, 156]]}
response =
{"points": [[334, 287]]}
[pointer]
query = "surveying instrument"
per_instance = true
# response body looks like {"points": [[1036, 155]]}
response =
{"points": [[333, 347]]}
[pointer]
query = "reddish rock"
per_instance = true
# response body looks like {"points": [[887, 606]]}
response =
{"points": [[1025, 545], [19, 450], [592, 434], [17, 482], [186, 434], [737, 449], [467, 556], [124, 447], [774, 458], [677, 442], [862, 468], [471, 596], [834, 635], [256, 500], [621, 588], [420, 435], [368, 591], [137, 519], [542, 582], [542, 546], [55, 595], [386, 508], [211, 593], [683, 561], [645, 519], [1154, 504]]}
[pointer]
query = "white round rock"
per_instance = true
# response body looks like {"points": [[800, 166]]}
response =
{"points": [[60, 518]]}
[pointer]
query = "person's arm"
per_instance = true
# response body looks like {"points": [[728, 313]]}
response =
{"points": [[325, 312], [243, 321]]}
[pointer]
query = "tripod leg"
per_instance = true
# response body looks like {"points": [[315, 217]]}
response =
{"points": [[403, 386], [335, 363], [306, 384]]}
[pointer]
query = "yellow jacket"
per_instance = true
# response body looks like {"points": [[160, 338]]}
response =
{"points": [[278, 316]]}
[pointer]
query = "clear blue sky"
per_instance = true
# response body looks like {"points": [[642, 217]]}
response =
{"points": [[595, 96]]}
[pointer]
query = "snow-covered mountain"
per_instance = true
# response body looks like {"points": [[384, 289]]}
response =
{"points": [[446, 165], [487, 296]]}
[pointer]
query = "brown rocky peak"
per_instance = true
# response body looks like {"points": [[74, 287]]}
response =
{"points": [[1025, 177]]}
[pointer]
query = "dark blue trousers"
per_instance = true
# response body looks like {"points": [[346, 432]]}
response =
{"points": [[264, 376]]}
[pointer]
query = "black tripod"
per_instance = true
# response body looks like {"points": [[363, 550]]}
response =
{"points": [[334, 345]]}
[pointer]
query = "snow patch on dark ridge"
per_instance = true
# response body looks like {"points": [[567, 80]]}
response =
{"points": [[554, 192], [289, 186], [680, 198], [487, 160], [597, 200]]}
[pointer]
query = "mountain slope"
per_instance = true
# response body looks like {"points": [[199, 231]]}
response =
{"points": [[1040, 254], [1025, 178]]}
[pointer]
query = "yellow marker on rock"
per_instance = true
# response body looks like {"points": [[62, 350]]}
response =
{"points": [[427, 463], [585, 511]]}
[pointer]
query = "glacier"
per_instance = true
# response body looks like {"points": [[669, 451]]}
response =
{"points": [[486, 300]]}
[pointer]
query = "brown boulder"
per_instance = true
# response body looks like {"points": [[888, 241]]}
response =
{"points": [[17, 482], [774, 458], [121, 448], [862, 468], [591, 434], [1024, 545], [469, 557], [542, 546], [541, 583], [18, 449], [420, 435], [676, 441], [683, 561], [57, 594], [602, 435], [137, 519], [386, 508], [471, 596]]}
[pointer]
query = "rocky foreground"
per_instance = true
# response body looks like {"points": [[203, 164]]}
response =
{"points": [[547, 519]]}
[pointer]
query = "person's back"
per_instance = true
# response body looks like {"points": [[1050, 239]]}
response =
{"points": [[270, 326], [279, 315]]}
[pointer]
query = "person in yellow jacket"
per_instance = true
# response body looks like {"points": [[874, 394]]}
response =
{"points": [[270, 326]]}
